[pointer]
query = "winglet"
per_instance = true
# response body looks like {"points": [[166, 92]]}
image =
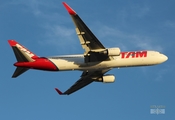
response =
{"points": [[69, 9], [58, 91]]}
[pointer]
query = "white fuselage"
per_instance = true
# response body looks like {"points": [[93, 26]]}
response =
{"points": [[125, 59]]}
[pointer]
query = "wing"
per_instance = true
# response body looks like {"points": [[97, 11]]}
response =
{"points": [[88, 40], [86, 79]]}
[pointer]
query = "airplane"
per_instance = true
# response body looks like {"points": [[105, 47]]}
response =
{"points": [[96, 61]]}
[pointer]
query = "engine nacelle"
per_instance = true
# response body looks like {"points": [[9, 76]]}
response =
{"points": [[107, 79], [112, 51]]}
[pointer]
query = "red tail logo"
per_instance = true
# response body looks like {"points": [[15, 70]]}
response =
{"points": [[27, 52]]}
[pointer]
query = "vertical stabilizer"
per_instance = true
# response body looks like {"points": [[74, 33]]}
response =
{"points": [[22, 54]]}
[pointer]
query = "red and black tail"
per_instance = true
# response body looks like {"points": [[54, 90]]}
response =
{"points": [[27, 60], [22, 54]]}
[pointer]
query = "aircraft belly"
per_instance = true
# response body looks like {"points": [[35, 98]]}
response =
{"points": [[64, 64]]}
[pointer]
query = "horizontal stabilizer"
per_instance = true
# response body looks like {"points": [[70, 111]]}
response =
{"points": [[19, 71]]}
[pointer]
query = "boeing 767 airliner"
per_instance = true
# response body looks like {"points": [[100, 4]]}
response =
{"points": [[94, 63]]}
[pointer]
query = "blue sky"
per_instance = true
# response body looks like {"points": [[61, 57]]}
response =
{"points": [[45, 27]]}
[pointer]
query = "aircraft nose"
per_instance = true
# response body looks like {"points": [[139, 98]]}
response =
{"points": [[164, 58]]}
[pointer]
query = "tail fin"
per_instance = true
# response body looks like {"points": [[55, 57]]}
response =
{"points": [[22, 54]]}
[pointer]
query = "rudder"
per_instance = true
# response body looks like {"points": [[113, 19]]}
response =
{"points": [[22, 54]]}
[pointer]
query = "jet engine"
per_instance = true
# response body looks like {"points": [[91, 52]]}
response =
{"points": [[107, 79], [112, 51]]}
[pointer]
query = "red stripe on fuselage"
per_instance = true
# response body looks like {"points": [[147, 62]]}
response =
{"points": [[40, 64]]}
